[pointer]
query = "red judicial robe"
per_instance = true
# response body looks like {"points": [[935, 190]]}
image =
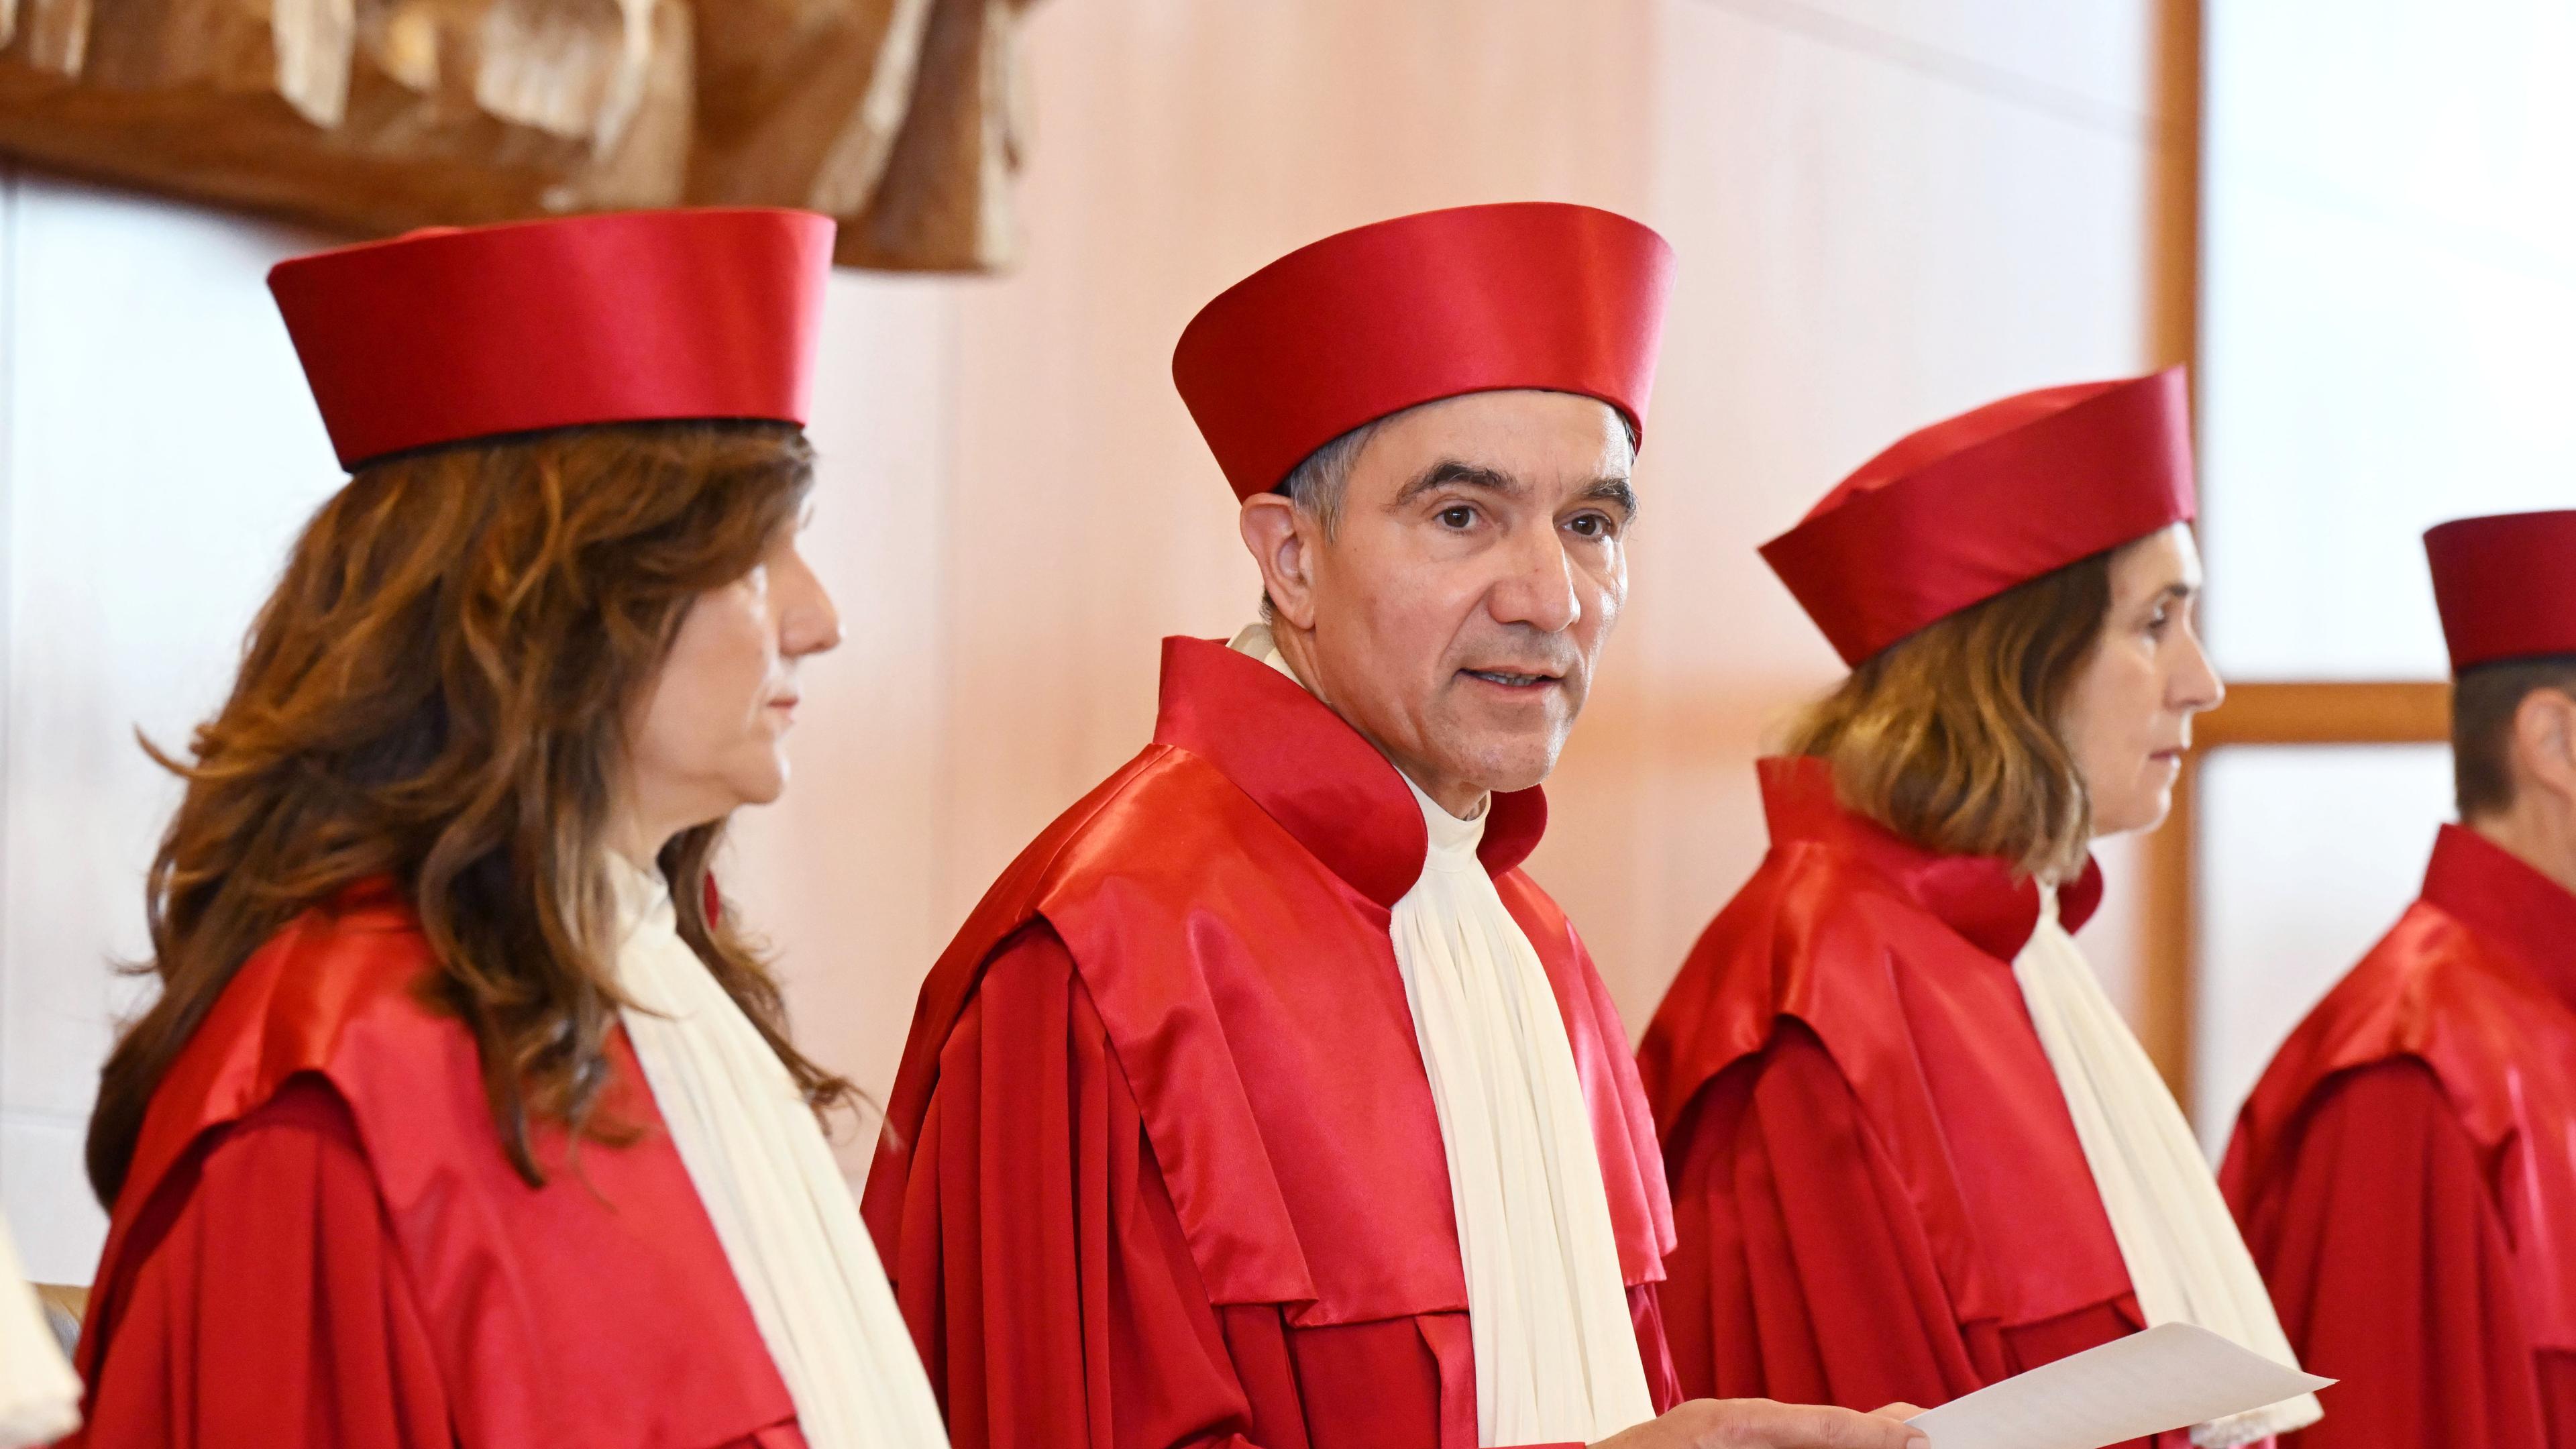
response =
{"points": [[2406, 1169], [1161, 1167], [321, 1244], [1878, 1191]]}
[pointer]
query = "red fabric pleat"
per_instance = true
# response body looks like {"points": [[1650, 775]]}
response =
{"points": [[1805, 1275], [1052, 1290], [2393, 1273], [270, 1309]]}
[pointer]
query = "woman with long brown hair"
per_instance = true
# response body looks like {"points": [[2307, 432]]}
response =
{"points": [[1913, 1148], [465, 1113]]}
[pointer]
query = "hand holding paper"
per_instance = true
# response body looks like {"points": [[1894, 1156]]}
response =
{"points": [[2169, 1377]]}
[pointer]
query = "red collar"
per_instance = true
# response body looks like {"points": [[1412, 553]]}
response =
{"points": [[1981, 897], [2496, 894], [1317, 777]]}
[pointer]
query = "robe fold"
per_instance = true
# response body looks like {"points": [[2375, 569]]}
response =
{"points": [[1878, 1192], [1161, 1167], [320, 1242], [2406, 1169]]}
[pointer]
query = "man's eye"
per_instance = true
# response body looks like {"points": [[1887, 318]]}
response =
{"points": [[1590, 525], [1457, 515]]}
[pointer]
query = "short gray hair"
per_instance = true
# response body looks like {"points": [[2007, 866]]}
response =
{"points": [[1316, 486]]}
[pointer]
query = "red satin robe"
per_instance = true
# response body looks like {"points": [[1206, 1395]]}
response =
{"points": [[2406, 1169], [1878, 1192], [321, 1244], [1161, 1167]]}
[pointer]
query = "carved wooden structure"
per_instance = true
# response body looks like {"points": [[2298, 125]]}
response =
{"points": [[374, 116]]}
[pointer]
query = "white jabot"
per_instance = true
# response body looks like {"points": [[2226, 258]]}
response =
{"points": [[39, 1397], [1547, 1307], [756, 1155], [2187, 1262]]}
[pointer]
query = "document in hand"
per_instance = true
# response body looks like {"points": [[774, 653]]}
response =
{"points": [[2169, 1377]]}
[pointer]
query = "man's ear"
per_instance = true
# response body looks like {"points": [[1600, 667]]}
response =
{"points": [[2544, 736], [1282, 541]]}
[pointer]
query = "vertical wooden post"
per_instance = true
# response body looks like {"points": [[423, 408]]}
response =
{"points": [[2173, 335]]}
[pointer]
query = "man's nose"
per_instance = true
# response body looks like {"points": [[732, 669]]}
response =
{"points": [[1538, 588]]}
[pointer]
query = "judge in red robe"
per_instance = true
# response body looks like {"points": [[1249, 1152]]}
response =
{"points": [[2406, 1168], [462, 1116], [1890, 1092], [1265, 1102]]}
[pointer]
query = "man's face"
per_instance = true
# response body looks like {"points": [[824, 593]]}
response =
{"points": [[1456, 610]]}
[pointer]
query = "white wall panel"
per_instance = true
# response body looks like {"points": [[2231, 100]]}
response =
{"points": [[2308, 855], [2389, 283], [160, 451]]}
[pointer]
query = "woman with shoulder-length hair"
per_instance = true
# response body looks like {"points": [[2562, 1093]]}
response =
{"points": [[1913, 1148], [464, 1114]]}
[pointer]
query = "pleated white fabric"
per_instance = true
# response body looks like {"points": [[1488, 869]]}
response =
{"points": [[784, 1214], [1547, 1307], [2187, 1262], [39, 1397]]}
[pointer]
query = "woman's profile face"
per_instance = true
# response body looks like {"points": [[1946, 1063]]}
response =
{"points": [[2129, 718], [711, 734]]}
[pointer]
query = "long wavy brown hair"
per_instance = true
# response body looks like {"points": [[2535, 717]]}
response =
{"points": [[1951, 736], [438, 693]]}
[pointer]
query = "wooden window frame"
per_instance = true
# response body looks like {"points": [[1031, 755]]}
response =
{"points": [[2388, 712]]}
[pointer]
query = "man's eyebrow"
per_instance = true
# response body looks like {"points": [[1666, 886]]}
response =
{"points": [[1451, 470], [1613, 490]]}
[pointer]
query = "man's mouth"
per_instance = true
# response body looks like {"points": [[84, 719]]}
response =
{"points": [[1509, 679]]}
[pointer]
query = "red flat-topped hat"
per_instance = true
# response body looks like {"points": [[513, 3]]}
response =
{"points": [[2506, 585], [1370, 322], [1964, 510], [446, 335]]}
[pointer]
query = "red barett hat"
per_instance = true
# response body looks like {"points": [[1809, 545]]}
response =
{"points": [[1965, 509], [1370, 322], [2506, 585], [445, 335]]}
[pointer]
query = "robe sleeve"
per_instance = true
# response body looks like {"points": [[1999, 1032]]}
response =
{"points": [[1040, 1262], [1046, 1276], [1803, 1272], [262, 1302], [2392, 1272]]}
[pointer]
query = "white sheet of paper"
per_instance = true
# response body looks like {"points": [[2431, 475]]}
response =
{"points": [[2169, 1377]]}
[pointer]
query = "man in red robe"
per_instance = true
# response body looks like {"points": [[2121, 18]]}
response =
{"points": [[1264, 1102], [2406, 1168]]}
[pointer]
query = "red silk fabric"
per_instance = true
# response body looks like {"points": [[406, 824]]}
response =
{"points": [[2406, 1168], [1374, 320], [2506, 585], [321, 1242], [448, 334], [1877, 1189], [1162, 1105], [1961, 511]]}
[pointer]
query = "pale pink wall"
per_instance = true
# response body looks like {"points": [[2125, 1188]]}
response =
{"points": [[1884, 212]]}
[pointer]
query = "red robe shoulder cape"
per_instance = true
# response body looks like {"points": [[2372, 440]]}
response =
{"points": [[321, 1244], [2406, 1169], [1161, 1166], [1878, 1190]]}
